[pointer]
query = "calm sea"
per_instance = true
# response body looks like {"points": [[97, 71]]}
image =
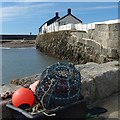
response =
{"points": [[22, 62]]}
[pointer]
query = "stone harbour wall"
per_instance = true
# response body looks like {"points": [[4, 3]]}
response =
{"points": [[107, 35], [98, 45], [65, 45]]}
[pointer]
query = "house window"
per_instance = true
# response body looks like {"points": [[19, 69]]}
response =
{"points": [[64, 23]]}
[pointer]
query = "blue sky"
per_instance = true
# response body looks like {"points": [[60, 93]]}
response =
{"points": [[26, 17]]}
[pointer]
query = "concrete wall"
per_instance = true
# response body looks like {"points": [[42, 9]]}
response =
{"points": [[107, 35], [68, 21], [84, 27], [55, 27]]}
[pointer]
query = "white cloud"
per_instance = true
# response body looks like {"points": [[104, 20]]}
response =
{"points": [[26, 1], [23, 9], [11, 12], [35, 0], [60, 0], [99, 7], [86, 9], [95, 8]]}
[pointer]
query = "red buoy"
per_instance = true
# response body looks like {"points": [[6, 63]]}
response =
{"points": [[23, 96]]}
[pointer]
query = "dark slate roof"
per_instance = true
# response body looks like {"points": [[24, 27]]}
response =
{"points": [[51, 21], [67, 15]]}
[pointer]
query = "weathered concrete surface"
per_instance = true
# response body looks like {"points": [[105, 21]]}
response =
{"points": [[99, 80], [110, 103]]}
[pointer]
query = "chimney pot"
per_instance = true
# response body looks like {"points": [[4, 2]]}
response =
{"points": [[56, 14], [69, 11]]}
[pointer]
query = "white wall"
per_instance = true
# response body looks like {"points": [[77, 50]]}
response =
{"points": [[66, 27], [84, 27], [69, 26], [52, 27], [44, 29]]}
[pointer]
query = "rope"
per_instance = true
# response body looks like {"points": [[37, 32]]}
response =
{"points": [[44, 109]]}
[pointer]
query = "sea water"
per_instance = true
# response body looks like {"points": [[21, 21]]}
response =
{"points": [[23, 62]]}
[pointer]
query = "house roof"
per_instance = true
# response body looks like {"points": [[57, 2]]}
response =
{"points": [[68, 15], [57, 18], [51, 21]]}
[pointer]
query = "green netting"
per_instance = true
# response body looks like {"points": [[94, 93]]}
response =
{"points": [[60, 84]]}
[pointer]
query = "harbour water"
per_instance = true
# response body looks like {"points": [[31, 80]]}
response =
{"points": [[23, 62]]}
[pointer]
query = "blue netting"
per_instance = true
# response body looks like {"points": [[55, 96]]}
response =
{"points": [[60, 84]]}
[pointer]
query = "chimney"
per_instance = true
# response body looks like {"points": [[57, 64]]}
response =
{"points": [[69, 11], [56, 14]]}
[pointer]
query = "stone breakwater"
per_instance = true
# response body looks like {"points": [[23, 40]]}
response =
{"points": [[96, 45], [64, 45], [17, 43]]}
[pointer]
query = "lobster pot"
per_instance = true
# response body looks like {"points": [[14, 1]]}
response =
{"points": [[60, 84]]}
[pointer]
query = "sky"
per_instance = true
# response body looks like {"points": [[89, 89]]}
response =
{"points": [[26, 17]]}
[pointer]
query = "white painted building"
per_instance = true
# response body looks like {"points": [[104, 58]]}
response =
{"points": [[49, 25], [69, 22], [66, 22], [68, 19]]}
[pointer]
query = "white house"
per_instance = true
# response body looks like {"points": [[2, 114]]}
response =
{"points": [[69, 22], [46, 26], [66, 22], [68, 19]]}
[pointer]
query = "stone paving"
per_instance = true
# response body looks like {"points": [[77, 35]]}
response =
{"points": [[112, 105]]}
